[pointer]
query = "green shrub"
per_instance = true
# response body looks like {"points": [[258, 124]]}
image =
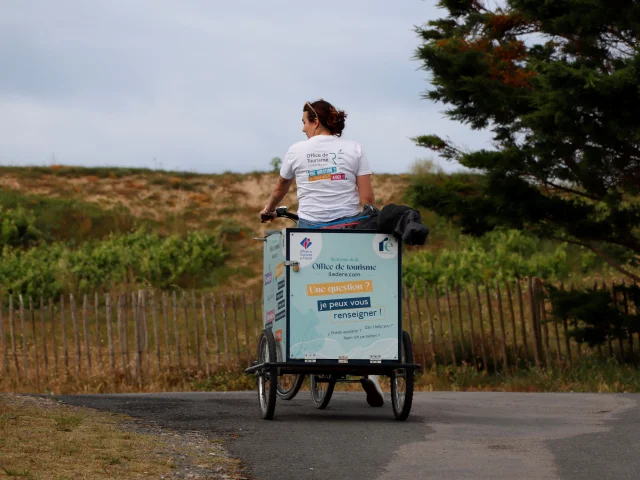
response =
{"points": [[499, 255], [140, 257], [39, 218], [18, 228]]}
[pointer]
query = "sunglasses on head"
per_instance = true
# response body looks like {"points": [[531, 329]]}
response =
{"points": [[313, 110]]}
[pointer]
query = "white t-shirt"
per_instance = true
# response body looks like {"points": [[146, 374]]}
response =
{"points": [[325, 168]]}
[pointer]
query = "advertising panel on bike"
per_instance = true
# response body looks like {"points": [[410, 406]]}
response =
{"points": [[344, 298], [274, 284]]}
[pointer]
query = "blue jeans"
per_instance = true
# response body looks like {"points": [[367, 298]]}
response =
{"points": [[302, 223]]}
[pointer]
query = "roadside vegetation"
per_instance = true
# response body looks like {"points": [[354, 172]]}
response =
{"points": [[40, 438], [70, 230], [76, 230]]}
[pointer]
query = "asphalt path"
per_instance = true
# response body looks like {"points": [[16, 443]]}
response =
{"points": [[449, 435]]}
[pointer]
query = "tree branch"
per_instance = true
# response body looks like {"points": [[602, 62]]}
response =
{"points": [[614, 263], [570, 190]]}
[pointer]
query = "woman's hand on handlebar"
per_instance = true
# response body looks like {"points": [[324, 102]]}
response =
{"points": [[267, 214]]}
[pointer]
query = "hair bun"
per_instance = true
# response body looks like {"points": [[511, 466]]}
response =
{"points": [[328, 115], [336, 121]]}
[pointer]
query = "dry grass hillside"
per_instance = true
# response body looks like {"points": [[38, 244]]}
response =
{"points": [[177, 202]]}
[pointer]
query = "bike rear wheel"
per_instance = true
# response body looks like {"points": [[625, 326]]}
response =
{"points": [[289, 385], [402, 382], [322, 389], [267, 377]]}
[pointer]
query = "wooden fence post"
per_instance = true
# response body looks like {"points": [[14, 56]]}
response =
{"points": [[52, 318], [65, 347], [156, 330], [137, 343], [225, 331], [443, 347], [451, 339], [186, 330], [165, 318], [121, 326], [197, 331], [523, 323], [543, 313], [76, 334], [96, 311], [512, 314], [176, 329], [112, 358], [407, 299], [432, 329], [43, 329], [542, 324], [144, 328], [246, 329], [85, 326], [491, 325], [35, 341], [125, 321], [12, 329], [25, 351], [482, 344], [472, 333], [462, 347], [534, 322], [505, 360], [215, 329], [567, 339], [420, 329], [206, 336], [3, 338], [235, 326]]}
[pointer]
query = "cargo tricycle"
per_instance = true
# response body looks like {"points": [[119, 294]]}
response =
{"points": [[332, 309]]}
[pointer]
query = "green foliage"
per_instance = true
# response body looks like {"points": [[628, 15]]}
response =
{"points": [[501, 255], [224, 381], [140, 257], [594, 316], [587, 374], [17, 228], [276, 163], [557, 84], [33, 218]]}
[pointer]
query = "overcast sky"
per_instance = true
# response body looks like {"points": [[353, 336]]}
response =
{"points": [[211, 85]]}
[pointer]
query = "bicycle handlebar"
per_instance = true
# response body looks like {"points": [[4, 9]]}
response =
{"points": [[279, 213]]}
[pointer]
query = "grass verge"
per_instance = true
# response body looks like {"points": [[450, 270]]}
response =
{"points": [[588, 374], [40, 438]]}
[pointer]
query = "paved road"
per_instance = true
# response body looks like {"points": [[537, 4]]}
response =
{"points": [[448, 435]]}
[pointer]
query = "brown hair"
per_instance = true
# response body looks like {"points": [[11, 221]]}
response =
{"points": [[330, 118]]}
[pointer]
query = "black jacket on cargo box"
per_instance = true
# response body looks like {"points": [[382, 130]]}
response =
{"points": [[399, 220]]}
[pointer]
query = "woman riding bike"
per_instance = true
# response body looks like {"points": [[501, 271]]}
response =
{"points": [[333, 179]]}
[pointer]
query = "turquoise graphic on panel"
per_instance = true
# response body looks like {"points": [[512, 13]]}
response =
{"points": [[344, 298]]}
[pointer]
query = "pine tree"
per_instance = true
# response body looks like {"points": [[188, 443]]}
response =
{"points": [[557, 82]]}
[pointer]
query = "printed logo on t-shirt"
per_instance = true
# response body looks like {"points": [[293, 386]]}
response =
{"points": [[321, 174], [328, 173], [337, 156]]}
